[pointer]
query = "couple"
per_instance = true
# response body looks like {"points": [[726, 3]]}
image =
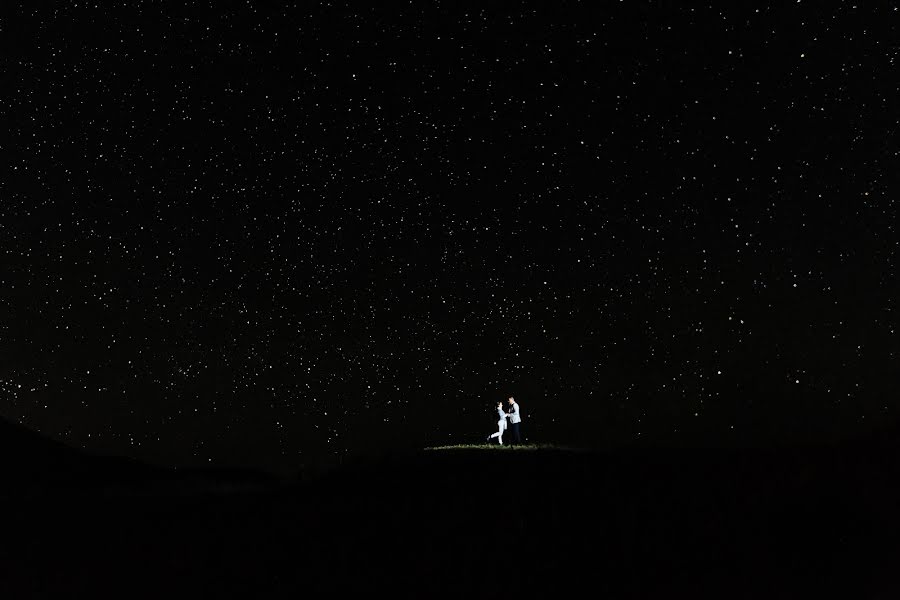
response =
{"points": [[514, 420]]}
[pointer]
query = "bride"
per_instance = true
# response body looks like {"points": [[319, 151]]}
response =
{"points": [[501, 424]]}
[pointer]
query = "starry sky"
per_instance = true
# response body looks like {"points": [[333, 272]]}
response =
{"points": [[266, 236]]}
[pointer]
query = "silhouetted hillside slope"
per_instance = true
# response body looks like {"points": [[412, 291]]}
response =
{"points": [[805, 522], [30, 462]]}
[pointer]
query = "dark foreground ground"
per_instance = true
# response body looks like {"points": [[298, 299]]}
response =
{"points": [[821, 522]]}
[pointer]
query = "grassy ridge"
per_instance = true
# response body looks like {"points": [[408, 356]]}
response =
{"points": [[504, 448]]}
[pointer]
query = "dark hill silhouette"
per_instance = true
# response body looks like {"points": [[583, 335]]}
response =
{"points": [[32, 463], [783, 523], [30, 460]]}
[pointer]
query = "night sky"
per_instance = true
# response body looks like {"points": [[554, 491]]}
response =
{"points": [[269, 237]]}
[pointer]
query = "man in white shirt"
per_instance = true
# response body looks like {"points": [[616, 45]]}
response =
{"points": [[514, 419]]}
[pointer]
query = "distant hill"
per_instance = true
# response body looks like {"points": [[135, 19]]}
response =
{"points": [[30, 462]]}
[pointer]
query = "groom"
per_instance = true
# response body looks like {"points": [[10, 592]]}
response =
{"points": [[514, 419]]}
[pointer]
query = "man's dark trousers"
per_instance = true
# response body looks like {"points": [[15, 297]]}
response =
{"points": [[516, 436]]}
